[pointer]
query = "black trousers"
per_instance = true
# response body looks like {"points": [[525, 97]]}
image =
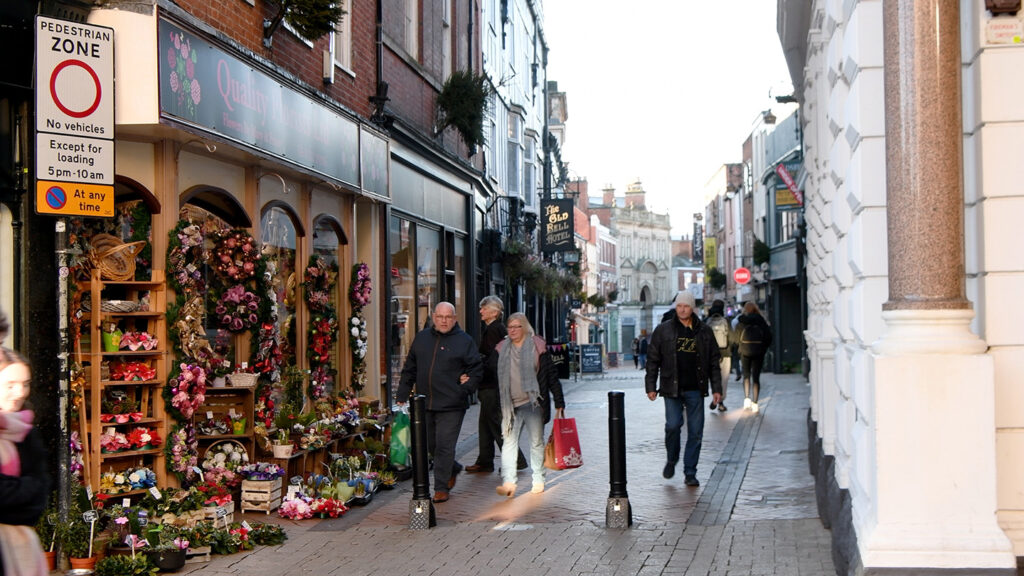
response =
{"points": [[442, 436], [489, 428], [752, 371]]}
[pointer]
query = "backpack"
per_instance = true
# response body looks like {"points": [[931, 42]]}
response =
{"points": [[752, 334], [720, 328]]}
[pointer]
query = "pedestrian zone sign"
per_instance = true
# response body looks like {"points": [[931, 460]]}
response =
{"points": [[74, 118]]}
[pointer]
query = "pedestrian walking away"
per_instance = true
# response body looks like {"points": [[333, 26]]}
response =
{"points": [[527, 381], [438, 357], [724, 338], [755, 336], [489, 423], [24, 482], [635, 349], [644, 346], [683, 358]]}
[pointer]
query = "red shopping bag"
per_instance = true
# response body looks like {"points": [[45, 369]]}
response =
{"points": [[567, 444]]}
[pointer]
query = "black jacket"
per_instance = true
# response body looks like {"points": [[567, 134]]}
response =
{"points": [[661, 358], [493, 333], [753, 348], [434, 365], [23, 498]]}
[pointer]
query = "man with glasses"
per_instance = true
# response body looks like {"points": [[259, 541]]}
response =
{"points": [[438, 357]]}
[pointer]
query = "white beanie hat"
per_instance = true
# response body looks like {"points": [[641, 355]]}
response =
{"points": [[686, 297]]}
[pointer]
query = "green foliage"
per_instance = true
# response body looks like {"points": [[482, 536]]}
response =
{"points": [[613, 295], [264, 534], [762, 253], [73, 535], [46, 527], [596, 300], [716, 278], [125, 566], [463, 102]]}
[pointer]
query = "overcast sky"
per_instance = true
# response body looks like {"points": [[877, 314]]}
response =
{"points": [[662, 90]]}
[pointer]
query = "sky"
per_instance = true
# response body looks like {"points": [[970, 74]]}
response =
{"points": [[662, 90]]}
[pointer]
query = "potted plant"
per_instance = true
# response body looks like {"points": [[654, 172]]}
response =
{"points": [[46, 529], [169, 550], [282, 445], [134, 565], [75, 537]]}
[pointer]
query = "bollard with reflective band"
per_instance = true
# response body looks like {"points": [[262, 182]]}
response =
{"points": [[618, 513], [421, 508]]}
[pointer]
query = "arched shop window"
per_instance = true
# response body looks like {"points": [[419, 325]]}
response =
{"points": [[324, 344], [279, 233]]}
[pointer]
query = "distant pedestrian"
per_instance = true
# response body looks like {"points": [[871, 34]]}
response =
{"points": [[734, 349], [755, 336], [437, 358], [5, 327], [724, 338], [685, 355], [636, 352], [643, 349], [527, 380], [24, 482], [489, 425]]}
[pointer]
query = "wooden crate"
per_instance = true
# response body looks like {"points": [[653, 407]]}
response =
{"points": [[197, 555], [261, 495]]}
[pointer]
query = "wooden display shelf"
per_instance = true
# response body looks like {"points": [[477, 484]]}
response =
{"points": [[131, 453], [106, 383]]}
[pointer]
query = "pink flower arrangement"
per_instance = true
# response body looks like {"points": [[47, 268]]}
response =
{"points": [[188, 389], [237, 308], [114, 441], [361, 287], [296, 509], [183, 451], [137, 340]]}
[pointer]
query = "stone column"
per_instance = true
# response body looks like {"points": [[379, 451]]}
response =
{"points": [[930, 501], [924, 169]]}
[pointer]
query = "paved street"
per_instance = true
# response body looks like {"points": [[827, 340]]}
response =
{"points": [[754, 512]]}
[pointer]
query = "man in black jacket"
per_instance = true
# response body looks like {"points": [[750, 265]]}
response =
{"points": [[438, 357], [684, 352]]}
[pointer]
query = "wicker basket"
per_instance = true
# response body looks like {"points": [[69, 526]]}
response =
{"points": [[242, 379], [113, 258]]}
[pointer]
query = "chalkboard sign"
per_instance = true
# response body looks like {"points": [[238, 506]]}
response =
{"points": [[591, 357]]}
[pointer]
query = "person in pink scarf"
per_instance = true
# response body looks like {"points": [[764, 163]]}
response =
{"points": [[24, 482]]}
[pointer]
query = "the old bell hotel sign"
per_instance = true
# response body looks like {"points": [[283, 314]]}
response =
{"points": [[557, 226]]}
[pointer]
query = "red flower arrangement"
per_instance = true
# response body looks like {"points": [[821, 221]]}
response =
{"points": [[131, 371], [235, 256], [328, 507], [144, 438]]}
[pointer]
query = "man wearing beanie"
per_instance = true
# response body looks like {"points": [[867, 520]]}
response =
{"points": [[684, 352]]}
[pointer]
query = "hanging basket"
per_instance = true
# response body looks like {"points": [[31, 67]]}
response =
{"points": [[113, 258]]}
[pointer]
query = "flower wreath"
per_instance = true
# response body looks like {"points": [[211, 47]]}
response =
{"points": [[321, 277], [185, 391], [235, 255], [359, 296], [320, 282], [185, 257], [238, 309], [182, 452]]}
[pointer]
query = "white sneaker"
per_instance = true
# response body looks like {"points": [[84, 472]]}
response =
{"points": [[746, 403], [538, 487], [753, 407]]}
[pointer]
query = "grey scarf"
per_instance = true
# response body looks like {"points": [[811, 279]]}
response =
{"points": [[528, 379]]}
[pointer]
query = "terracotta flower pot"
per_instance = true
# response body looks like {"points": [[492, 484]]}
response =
{"points": [[87, 563], [51, 560]]}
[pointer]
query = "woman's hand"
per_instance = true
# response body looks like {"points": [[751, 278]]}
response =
{"points": [[559, 412]]}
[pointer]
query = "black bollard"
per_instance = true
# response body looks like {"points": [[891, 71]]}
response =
{"points": [[618, 513], [421, 508]]}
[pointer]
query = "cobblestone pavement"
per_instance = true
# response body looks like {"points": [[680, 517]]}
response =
{"points": [[754, 512]]}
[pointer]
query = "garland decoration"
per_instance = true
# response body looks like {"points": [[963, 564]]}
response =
{"points": [[359, 295], [320, 281]]}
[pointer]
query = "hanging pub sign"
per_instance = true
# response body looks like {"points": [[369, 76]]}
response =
{"points": [[698, 243], [557, 226]]}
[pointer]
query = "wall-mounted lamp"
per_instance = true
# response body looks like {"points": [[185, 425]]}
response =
{"points": [[210, 146], [768, 117], [284, 187]]}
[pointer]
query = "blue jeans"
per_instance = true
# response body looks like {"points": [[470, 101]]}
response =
{"points": [[693, 403], [531, 418]]}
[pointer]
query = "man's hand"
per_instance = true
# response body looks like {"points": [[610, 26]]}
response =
{"points": [[652, 396], [464, 378], [718, 397]]}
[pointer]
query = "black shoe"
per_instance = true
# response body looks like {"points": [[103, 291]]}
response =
{"points": [[738, 378], [721, 407], [713, 405], [692, 481], [522, 465], [670, 470]]}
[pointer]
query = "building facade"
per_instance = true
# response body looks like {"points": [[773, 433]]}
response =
{"points": [[908, 113]]}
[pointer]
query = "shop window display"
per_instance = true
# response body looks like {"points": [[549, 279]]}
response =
{"points": [[278, 245]]}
